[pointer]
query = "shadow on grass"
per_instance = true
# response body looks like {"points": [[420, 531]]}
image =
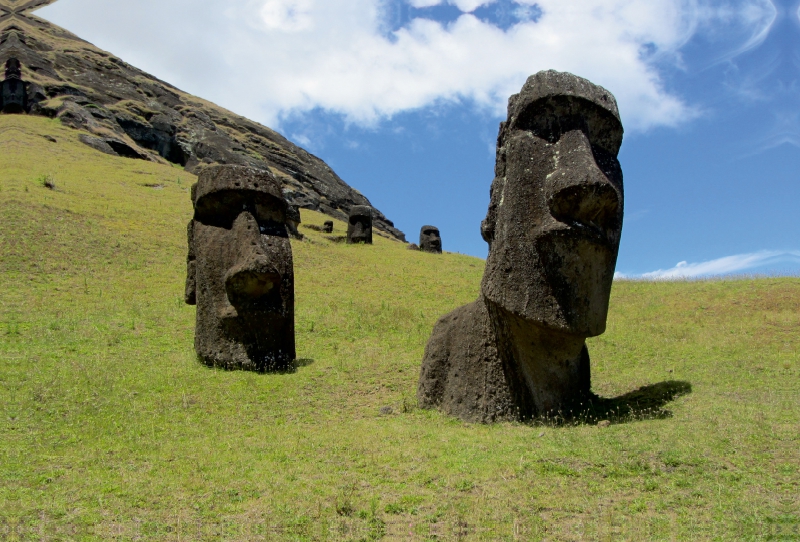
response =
{"points": [[284, 370], [645, 403]]}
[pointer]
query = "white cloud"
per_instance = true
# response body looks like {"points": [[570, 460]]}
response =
{"points": [[771, 259], [424, 3], [468, 6], [270, 58], [287, 15]]}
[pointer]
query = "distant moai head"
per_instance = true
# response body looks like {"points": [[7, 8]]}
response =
{"points": [[430, 240], [293, 220], [359, 227], [327, 226], [555, 216], [13, 69], [240, 272], [13, 93]]}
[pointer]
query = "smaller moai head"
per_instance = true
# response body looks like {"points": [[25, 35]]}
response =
{"points": [[430, 240], [293, 220], [13, 88], [240, 272], [359, 227], [13, 69], [327, 226], [555, 216]]}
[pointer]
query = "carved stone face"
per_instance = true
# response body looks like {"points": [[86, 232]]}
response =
{"points": [[327, 226], [13, 68], [359, 228], [13, 89], [430, 240], [292, 220], [555, 216], [240, 272]]}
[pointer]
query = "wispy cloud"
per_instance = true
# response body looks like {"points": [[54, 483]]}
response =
{"points": [[769, 260], [755, 17]]}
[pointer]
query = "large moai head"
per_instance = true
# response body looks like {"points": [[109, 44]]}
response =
{"points": [[359, 227], [430, 240], [555, 216], [14, 96], [240, 272]]}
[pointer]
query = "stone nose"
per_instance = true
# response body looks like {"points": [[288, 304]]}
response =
{"points": [[246, 285], [253, 275], [579, 193]]}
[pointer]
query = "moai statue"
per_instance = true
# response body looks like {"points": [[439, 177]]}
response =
{"points": [[359, 228], [292, 221], [327, 226], [553, 228], [14, 90], [240, 272], [430, 240]]}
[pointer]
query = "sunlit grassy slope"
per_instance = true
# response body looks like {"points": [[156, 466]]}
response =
{"points": [[111, 429]]}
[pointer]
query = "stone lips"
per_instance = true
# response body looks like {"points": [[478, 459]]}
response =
{"points": [[131, 113], [553, 227], [240, 271]]}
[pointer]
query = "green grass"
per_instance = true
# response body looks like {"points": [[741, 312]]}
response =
{"points": [[112, 430]]}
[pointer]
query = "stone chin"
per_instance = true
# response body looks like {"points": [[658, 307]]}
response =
{"points": [[563, 281]]}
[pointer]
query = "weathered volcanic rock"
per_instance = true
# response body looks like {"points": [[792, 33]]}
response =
{"points": [[553, 227], [139, 116]]}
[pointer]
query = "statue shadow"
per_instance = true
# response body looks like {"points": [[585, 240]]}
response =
{"points": [[645, 403], [289, 369]]}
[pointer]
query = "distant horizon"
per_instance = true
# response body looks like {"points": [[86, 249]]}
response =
{"points": [[402, 100]]}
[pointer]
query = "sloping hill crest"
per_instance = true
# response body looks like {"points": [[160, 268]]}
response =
{"points": [[131, 113]]}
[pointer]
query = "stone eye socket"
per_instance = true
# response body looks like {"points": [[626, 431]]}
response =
{"points": [[551, 118], [222, 208]]}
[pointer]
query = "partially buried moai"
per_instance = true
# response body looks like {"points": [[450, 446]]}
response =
{"points": [[240, 272], [430, 240], [13, 90], [327, 226], [359, 227], [553, 228]]}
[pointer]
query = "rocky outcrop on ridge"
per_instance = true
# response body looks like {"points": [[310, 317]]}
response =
{"points": [[133, 114]]}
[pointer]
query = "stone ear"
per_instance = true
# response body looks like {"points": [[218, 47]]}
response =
{"points": [[190, 294]]}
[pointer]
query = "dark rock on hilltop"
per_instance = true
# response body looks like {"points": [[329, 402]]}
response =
{"points": [[138, 116]]}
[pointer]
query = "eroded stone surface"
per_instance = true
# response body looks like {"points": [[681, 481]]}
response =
{"points": [[359, 226], [292, 221], [553, 228], [240, 272], [430, 240], [140, 116]]}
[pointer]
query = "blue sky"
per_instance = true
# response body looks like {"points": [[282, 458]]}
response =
{"points": [[403, 99]]}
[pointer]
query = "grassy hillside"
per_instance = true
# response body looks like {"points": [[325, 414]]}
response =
{"points": [[110, 429]]}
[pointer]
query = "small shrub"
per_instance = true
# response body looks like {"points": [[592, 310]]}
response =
{"points": [[46, 181]]}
